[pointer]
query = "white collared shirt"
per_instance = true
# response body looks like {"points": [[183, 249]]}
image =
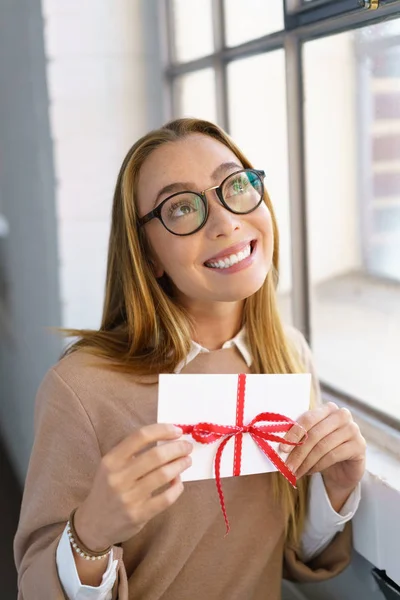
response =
{"points": [[321, 525], [240, 341]]}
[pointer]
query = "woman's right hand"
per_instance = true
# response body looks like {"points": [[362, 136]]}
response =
{"points": [[122, 498]]}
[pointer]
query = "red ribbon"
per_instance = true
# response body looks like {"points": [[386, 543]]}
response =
{"points": [[207, 433]]}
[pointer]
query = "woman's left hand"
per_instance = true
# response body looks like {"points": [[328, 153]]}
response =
{"points": [[334, 447]]}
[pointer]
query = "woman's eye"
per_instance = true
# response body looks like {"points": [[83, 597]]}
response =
{"points": [[184, 210], [180, 210], [239, 185]]}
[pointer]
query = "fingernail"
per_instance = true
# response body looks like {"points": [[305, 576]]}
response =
{"points": [[178, 430], [284, 448]]}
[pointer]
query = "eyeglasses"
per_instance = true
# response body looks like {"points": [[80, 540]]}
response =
{"points": [[184, 213]]}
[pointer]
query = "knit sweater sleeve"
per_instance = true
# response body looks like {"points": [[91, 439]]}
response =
{"points": [[64, 460], [337, 555]]}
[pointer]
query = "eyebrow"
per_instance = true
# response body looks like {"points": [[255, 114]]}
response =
{"points": [[183, 186]]}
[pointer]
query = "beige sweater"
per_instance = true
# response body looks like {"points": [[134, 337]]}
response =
{"points": [[82, 411]]}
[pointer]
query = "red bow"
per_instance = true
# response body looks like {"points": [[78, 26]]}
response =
{"points": [[207, 433]]}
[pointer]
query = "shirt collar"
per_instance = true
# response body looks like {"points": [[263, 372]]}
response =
{"points": [[240, 341]]}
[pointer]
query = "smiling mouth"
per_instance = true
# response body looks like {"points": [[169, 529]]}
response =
{"points": [[232, 259]]}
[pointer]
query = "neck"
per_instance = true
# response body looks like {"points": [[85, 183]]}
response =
{"points": [[214, 325]]}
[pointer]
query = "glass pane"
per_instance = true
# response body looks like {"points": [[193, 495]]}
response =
{"points": [[352, 110], [196, 95], [251, 19], [193, 29], [257, 116]]}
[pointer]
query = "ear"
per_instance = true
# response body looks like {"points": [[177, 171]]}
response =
{"points": [[158, 272], [157, 268]]}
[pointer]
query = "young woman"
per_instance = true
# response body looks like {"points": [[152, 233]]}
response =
{"points": [[192, 272]]}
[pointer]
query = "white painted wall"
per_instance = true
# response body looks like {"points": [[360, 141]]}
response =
{"points": [[29, 298], [96, 75]]}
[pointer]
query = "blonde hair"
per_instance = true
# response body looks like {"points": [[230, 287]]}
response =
{"points": [[145, 331]]}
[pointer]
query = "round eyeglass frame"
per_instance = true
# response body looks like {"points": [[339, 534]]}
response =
{"points": [[156, 213]]}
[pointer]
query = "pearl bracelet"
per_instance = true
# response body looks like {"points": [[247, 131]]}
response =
{"points": [[79, 547]]}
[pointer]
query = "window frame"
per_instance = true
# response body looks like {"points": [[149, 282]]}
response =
{"points": [[303, 22]]}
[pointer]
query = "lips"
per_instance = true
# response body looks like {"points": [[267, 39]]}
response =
{"points": [[235, 249]]}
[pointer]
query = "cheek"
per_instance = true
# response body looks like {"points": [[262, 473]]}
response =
{"points": [[172, 253], [157, 243], [264, 225]]}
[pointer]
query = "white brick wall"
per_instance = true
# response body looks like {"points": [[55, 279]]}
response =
{"points": [[96, 80]]}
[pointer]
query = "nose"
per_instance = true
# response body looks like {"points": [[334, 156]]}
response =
{"points": [[221, 222]]}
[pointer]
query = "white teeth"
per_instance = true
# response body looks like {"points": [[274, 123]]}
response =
{"points": [[230, 260]]}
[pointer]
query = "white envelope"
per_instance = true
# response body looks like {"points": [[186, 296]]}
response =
{"points": [[190, 399]]}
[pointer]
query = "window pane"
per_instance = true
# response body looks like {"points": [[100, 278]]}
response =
{"points": [[250, 19], [257, 116], [352, 100], [193, 31], [196, 95]]}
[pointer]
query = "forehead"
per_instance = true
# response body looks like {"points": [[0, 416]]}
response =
{"points": [[191, 159]]}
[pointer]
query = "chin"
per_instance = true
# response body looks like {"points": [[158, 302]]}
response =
{"points": [[230, 291], [241, 292]]}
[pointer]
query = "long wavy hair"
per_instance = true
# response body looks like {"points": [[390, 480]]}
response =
{"points": [[145, 331]]}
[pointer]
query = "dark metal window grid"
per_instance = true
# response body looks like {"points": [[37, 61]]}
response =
{"points": [[306, 21]]}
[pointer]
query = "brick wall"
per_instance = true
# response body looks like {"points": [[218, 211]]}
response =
{"points": [[382, 235]]}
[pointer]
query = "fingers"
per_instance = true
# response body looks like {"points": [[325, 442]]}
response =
{"points": [[121, 498], [318, 437], [326, 445], [141, 438], [344, 452], [306, 422], [157, 457], [162, 501], [141, 511], [166, 474]]}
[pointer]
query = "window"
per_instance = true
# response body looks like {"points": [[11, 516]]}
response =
{"points": [[257, 118], [192, 24], [252, 19], [352, 126], [312, 96], [196, 94], [378, 66]]}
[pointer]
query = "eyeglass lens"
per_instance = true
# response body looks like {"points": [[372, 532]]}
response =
{"points": [[186, 212]]}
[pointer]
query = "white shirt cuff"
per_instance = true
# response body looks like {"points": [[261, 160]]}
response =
{"points": [[69, 577], [322, 521]]}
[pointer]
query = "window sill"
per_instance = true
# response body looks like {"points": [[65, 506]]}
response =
{"points": [[376, 525]]}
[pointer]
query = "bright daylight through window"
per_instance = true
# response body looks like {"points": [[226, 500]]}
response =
{"points": [[352, 116], [350, 84]]}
